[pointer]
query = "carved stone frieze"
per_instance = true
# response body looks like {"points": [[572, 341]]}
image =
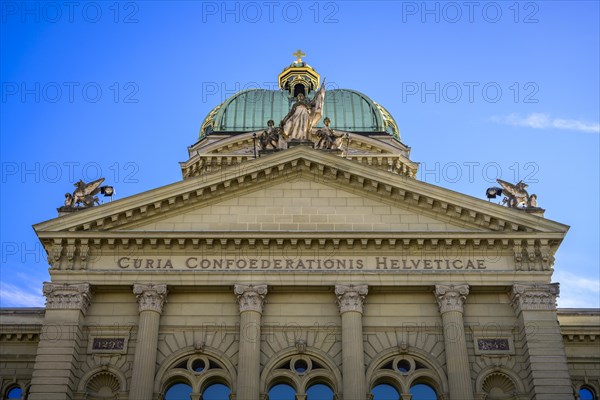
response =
{"points": [[54, 254], [67, 296], [71, 255], [250, 297], [351, 297], [151, 296], [451, 297], [518, 250], [534, 296], [83, 253]]}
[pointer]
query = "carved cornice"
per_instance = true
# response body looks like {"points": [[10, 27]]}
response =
{"points": [[526, 297], [68, 296], [250, 297], [137, 240], [451, 297], [351, 297], [150, 296], [20, 336]]}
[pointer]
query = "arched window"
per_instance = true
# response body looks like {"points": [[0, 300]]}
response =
{"points": [[403, 376], [385, 392], [282, 391], [178, 391], [200, 371], [14, 393], [216, 391], [300, 375], [319, 392], [421, 391], [586, 393]]}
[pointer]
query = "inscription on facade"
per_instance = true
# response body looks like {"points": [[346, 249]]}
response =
{"points": [[493, 344], [497, 346], [296, 264], [107, 344]]}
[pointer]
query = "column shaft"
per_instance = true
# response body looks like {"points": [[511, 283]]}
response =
{"points": [[353, 363], [151, 298], [450, 299], [350, 302], [251, 301], [144, 362], [457, 358], [249, 356]]}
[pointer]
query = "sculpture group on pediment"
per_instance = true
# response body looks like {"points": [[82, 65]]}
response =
{"points": [[84, 194], [299, 121], [325, 138], [270, 136], [328, 138], [517, 195]]}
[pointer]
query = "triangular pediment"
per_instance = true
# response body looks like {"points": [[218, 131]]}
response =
{"points": [[288, 181], [301, 204]]}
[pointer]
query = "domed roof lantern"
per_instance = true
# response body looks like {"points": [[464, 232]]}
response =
{"points": [[299, 77]]}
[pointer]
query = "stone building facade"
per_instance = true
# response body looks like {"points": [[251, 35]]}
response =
{"points": [[300, 267]]}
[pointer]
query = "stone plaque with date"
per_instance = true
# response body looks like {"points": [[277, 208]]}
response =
{"points": [[109, 345], [493, 346]]}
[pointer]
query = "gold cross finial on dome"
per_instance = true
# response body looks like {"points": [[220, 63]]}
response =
{"points": [[299, 54]]}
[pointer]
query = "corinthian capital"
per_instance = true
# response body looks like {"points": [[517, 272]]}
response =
{"points": [[351, 297], [534, 296], [250, 297], [151, 296], [68, 296], [451, 297]]}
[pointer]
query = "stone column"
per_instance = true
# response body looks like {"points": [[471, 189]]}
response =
{"points": [[450, 299], [151, 298], [58, 354], [350, 299], [535, 306], [251, 299]]}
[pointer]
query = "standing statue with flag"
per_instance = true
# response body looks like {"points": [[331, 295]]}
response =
{"points": [[298, 123]]}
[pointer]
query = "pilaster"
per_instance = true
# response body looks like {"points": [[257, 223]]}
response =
{"points": [[535, 306], [58, 352]]}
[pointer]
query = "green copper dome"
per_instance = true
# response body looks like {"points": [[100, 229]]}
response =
{"points": [[249, 110]]}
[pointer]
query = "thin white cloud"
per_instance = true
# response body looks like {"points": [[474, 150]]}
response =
{"points": [[545, 121], [14, 296], [577, 291]]}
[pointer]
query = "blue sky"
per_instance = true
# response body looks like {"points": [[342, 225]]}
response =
{"points": [[479, 90]]}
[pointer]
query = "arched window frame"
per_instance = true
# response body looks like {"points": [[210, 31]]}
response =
{"points": [[432, 375], [589, 387], [329, 374], [168, 374], [15, 385], [387, 378]]}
